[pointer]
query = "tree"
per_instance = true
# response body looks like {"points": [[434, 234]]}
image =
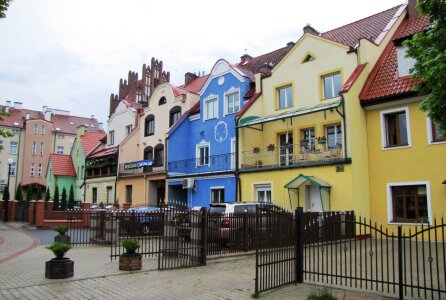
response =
{"points": [[63, 201], [29, 194], [19, 194], [428, 48], [47, 197], [39, 193], [6, 193], [3, 7], [56, 202], [71, 198]]}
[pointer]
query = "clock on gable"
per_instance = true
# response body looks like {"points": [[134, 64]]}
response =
{"points": [[221, 131]]}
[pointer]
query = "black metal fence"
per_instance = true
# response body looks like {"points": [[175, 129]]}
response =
{"points": [[342, 249]]}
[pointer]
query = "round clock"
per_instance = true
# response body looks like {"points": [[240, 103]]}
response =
{"points": [[221, 131]]}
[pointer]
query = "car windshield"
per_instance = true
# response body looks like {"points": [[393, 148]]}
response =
{"points": [[217, 209]]}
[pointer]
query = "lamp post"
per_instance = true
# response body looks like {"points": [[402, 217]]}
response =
{"points": [[10, 162]]}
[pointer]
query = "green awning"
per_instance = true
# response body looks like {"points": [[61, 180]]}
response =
{"points": [[306, 180], [254, 120]]}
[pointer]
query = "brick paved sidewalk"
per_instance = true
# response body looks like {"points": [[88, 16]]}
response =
{"points": [[98, 277]]}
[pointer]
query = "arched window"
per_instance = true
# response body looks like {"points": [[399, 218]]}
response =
{"points": [[162, 101], [175, 114], [148, 153], [149, 125], [159, 155]]}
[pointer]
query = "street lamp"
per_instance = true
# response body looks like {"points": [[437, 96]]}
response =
{"points": [[10, 162]]}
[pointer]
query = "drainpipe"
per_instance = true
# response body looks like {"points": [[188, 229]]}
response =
{"points": [[345, 124], [17, 164], [238, 187]]}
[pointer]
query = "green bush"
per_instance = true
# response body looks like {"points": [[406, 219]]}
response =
{"points": [[321, 295], [59, 249], [130, 246], [61, 229]]}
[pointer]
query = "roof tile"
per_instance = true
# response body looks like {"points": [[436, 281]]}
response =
{"points": [[62, 165]]}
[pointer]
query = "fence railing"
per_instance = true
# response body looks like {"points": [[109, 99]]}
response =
{"points": [[213, 163]]}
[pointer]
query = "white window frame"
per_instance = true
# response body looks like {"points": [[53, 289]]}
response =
{"points": [[430, 137], [128, 129], [390, 203], [42, 130], [405, 63], [60, 149], [13, 169], [34, 148], [233, 152], [232, 91], [111, 136], [210, 98], [216, 188], [36, 128], [332, 85], [289, 102], [32, 170], [336, 136], [203, 144], [41, 148], [15, 147], [383, 113], [263, 187], [60, 136], [39, 171]]}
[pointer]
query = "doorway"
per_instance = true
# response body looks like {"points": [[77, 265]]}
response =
{"points": [[313, 201]]}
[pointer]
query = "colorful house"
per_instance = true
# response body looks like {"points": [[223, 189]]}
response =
{"points": [[142, 156], [302, 141], [406, 149], [60, 173]]}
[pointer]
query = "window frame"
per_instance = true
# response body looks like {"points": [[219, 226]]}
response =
{"points": [[15, 147], [128, 129], [229, 93], [174, 115], [332, 85], [158, 161], [205, 161], [221, 195], [32, 170], [34, 148], [149, 123], [265, 188], [94, 195], [336, 138], [284, 87], [41, 148], [42, 130], [210, 98], [111, 135], [390, 207], [383, 124], [128, 193], [39, 170], [36, 128], [58, 148], [13, 169], [431, 136]]}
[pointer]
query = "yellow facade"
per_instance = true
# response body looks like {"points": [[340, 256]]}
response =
{"points": [[422, 162], [105, 190]]}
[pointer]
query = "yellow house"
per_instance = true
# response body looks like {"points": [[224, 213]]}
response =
{"points": [[406, 149], [302, 141]]}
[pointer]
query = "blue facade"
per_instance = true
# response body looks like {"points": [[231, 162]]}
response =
{"points": [[201, 147]]}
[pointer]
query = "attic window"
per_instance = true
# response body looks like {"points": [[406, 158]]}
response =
{"points": [[405, 63], [308, 58], [162, 101], [16, 124]]}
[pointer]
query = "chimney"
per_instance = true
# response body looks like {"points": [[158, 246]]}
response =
{"points": [[7, 106], [311, 30], [290, 44], [244, 59], [412, 8], [189, 77], [100, 126], [92, 116], [17, 105]]}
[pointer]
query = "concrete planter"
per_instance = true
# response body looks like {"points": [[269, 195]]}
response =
{"points": [[58, 268], [130, 262]]}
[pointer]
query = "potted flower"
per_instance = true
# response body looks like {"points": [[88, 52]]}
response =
{"points": [[258, 163], [270, 147], [62, 237], [255, 150], [130, 260], [60, 266], [321, 140]]}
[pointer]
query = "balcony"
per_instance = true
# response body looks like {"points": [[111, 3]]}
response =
{"points": [[210, 164], [141, 171], [292, 155]]}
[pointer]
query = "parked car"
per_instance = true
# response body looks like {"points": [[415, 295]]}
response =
{"points": [[143, 220]]}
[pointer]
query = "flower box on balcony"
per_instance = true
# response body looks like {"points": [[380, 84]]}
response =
{"points": [[321, 140], [255, 150], [270, 147]]}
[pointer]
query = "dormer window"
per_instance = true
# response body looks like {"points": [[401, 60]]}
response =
{"points": [[405, 63], [162, 101]]}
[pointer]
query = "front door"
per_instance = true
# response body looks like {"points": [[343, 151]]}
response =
{"points": [[286, 148], [313, 198]]}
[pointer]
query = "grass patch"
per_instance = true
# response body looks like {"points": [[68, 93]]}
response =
{"points": [[321, 295], [255, 295]]}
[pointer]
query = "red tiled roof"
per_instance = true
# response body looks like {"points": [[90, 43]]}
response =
{"points": [[17, 116], [195, 109], [62, 165], [351, 80], [104, 152], [248, 104], [69, 124], [384, 80], [91, 140], [369, 28], [196, 84], [266, 62]]}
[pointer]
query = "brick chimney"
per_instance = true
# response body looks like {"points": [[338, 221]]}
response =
{"points": [[311, 30], [189, 77], [412, 8]]}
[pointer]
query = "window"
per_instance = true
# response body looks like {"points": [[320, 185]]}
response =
{"points": [[307, 139], [159, 155], [437, 133], [232, 103], [128, 193], [128, 129], [15, 131], [217, 195], [334, 136], [285, 96], [59, 149], [42, 130], [13, 147], [263, 192], [162, 101], [404, 63], [60, 136], [286, 148], [395, 128], [13, 169], [41, 148], [36, 128], [150, 125], [408, 202], [175, 114], [94, 195], [32, 169], [111, 137], [34, 150], [331, 85], [210, 108], [39, 170], [109, 194], [203, 154]]}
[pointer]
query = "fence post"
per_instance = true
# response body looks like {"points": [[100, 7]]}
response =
{"points": [[31, 212], [400, 262], [13, 210], [299, 219], [204, 235], [40, 213]]}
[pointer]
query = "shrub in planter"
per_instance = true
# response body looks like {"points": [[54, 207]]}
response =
{"points": [[62, 237], [130, 260], [60, 266]]}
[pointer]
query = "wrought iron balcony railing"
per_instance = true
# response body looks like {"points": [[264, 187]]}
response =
{"points": [[208, 164], [141, 171]]}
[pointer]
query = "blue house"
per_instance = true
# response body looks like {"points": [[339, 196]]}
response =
{"points": [[201, 146]]}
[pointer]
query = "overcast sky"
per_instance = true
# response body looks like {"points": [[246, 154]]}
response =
{"points": [[70, 54]]}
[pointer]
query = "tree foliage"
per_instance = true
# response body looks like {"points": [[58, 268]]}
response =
{"points": [[6, 193], [18, 193], [428, 48], [63, 201], [29, 194], [4, 7], [56, 201], [71, 198], [39, 193]]}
